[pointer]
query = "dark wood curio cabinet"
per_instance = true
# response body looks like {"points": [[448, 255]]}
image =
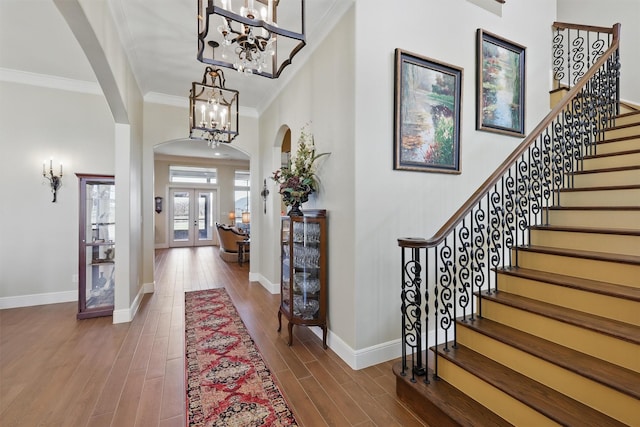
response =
{"points": [[303, 275], [96, 275]]}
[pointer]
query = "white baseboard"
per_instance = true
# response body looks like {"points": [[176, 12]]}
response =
{"points": [[360, 359], [273, 288], [126, 315], [38, 299], [149, 288]]}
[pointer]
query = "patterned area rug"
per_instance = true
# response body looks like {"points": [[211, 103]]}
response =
{"points": [[228, 382]]}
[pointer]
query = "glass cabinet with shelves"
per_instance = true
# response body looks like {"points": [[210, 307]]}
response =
{"points": [[303, 276], [96, 277]]}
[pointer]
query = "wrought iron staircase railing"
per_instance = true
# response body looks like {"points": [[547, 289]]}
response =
{"points": [[440, 275]]}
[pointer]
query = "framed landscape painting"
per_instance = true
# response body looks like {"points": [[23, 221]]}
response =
{"points": [[426, 114], [500, 85]]}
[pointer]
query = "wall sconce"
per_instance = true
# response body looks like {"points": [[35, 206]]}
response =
{"points": [[158, 200], [54, 181], [232, 218], [264, 193]]}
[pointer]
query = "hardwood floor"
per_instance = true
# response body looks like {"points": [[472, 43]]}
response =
{"points": [[59, 371]]}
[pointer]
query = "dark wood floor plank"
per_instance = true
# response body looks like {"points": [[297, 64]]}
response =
{"points": [[342, 399]]}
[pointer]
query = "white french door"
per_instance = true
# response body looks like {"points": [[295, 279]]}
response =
{"points": [[192, 214]]}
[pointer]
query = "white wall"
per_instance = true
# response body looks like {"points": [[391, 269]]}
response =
{"points": [[346, 92], [390, 204], [321, 94], [625, 12], [39, 239]]}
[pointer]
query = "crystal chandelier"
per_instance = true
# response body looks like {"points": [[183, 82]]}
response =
{"points": [[213, 109], [249, 35]]}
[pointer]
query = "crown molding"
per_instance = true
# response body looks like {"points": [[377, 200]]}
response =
{"points": [[48, 81], [93, 88]]}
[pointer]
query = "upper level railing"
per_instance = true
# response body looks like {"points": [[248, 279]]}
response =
{"points": [[575, 49], [440, 275]]}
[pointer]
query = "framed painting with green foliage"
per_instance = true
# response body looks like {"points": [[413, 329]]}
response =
{"points": [[427, 109], [500, 85]]}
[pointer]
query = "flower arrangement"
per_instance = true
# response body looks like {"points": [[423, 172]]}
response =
{"points": [[298, 179]]}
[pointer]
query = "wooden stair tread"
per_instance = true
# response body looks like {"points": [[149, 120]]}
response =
{"points": [[571, 229], [625, 126], [576, 253], [552, 404], [618, 139], [442, 396], [600, 170], [614, 328], [594, 208], [613, 376], [594, 286], [612, 187], [616, 154]]}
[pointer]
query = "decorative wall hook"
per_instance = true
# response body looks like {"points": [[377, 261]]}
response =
{"points": [[54, 181], [264, 193]]}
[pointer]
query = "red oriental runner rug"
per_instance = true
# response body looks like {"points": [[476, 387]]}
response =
{"points": [[228, 382]]}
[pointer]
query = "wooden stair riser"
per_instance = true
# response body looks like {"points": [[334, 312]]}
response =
{"points": [[618, 146], [621, 132], [593, 269], [619, 309], [609, 198], [596, 218], [592, 393], [605, 347], [612, 161], [627, 119], [624, 244], [607, 179], [496, 400]]}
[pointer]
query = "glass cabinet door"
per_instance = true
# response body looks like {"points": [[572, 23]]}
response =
{"points": [[97, 246], [306, 269], [285, 271], [303, 278]]}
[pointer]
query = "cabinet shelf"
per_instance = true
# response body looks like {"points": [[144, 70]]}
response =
{"points": [[303, 276], [102, 262]]}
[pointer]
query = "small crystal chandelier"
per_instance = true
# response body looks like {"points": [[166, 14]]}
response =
{"points": [[213, 109], [247, 34]]}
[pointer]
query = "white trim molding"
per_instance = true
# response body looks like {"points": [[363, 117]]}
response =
{"points": [[38, 299], [360, 359], [127, 315], [272, 288], [52, 82]]}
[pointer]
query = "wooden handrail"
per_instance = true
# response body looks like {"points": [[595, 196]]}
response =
{"points": [[590, 28], [461, 213]]}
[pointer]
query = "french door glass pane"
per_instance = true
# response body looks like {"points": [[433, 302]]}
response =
{"points": [[205, 216], [181, 216]]}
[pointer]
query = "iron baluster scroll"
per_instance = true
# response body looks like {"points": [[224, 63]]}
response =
{"points": [[444, 277]]}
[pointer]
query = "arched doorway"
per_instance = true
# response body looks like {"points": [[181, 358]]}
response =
{"points": [[197, 184]]}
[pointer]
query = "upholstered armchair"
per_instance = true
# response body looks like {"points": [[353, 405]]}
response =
{"points": [[228, 238]]}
